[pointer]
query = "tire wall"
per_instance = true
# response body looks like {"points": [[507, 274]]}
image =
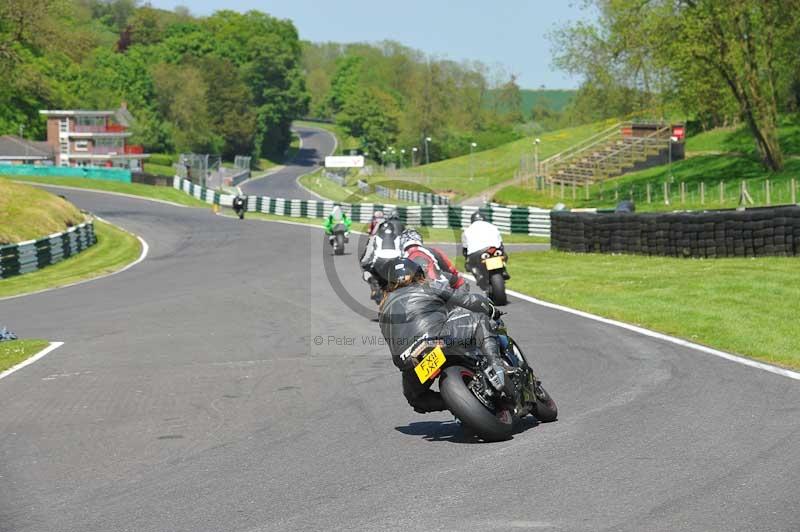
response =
{"points": [[769, 231]]}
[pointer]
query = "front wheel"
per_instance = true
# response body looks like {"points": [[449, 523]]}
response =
{"points": [[468, 409], [545, 410], [498, 292], [241, 215], [339, 246]]}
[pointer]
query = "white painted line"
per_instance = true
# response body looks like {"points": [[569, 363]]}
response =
{"points": [[41, 354], [142, 256], [133, 196], [660, 336]]}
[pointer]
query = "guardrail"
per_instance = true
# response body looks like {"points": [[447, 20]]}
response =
{"points": [[24, 257], [520, 220], [415, 196]]}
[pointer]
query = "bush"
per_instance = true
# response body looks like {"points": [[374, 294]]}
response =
{"points": [[162, 159]]}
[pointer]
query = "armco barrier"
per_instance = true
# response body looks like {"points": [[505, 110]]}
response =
{"points": [[106, 174], [517, 220], [25, 257], [754, 232]]}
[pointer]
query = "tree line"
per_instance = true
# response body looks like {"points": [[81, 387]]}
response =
{"points": [[390, 96], [229, 84], [716, 62]]}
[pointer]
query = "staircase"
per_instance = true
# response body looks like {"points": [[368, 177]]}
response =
{"points": [[619, 149]]}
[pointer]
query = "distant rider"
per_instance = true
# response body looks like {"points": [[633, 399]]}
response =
{"points": [[476, 238], [336, 217], [414, 312], [377, 219], [438, 267]]}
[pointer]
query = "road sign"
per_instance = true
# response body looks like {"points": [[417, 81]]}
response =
{"points": [[344, 161]]}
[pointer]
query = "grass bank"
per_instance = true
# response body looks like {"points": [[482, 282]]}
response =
{"points": [[15, 351], [28, 213], [744, 306], [468, 175], [134, 189], [114, 249]]}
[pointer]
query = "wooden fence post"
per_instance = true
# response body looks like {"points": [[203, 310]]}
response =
{"points": [[767, 191], [721, 192], [666, 193], [648, 192], [683, 192], [794, 190], [552, 187], [702, 192]]}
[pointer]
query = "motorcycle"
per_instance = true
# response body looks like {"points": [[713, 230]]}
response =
{"points": [[338, 238], [240, 206], [489, 268], [486, 399]]}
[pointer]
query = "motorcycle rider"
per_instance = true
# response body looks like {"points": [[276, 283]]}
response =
{"points": [[336, 217], [383, 248], [414, 312], [377, 218], [479, 236], [239, 205], [394, 218], [438, 267]]}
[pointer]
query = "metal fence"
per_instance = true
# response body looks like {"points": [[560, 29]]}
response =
{"points": [[24, 257]]}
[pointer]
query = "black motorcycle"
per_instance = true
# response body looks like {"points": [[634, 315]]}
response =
{"points": [[338, 238], [240, 206], [486, 399], [489, 268]]}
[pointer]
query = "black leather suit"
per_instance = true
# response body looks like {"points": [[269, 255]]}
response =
{"points": [[419, 311]]}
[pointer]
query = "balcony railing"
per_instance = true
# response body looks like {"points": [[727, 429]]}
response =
{"points": [[112, 150], [110, 128]]}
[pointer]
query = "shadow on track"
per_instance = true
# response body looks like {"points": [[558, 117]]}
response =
{"points": [[453, 432]]}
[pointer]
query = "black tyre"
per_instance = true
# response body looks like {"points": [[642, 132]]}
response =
{"points": [[468, 409], [339, 246], [546, 409], [241, 215], [498, 291]]}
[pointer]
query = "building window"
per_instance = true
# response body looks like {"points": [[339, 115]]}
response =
{"points": [[64, 147], [82, 145]]}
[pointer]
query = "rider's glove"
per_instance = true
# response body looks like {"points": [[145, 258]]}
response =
{"points": [[366, 276], [496, 313]]}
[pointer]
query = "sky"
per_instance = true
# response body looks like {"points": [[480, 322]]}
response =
{"points": [[509, 34]]}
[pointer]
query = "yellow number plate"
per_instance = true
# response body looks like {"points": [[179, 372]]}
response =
{"points": [[494, 263], [430, 364]]}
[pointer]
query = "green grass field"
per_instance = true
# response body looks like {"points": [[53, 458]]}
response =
{"points": [[468, 175], [15, 351], [114, 249], [134, 189], [744, 306], [725, 156], [28, 213]]}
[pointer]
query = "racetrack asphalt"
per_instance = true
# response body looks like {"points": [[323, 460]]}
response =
{"points": [[191, 394], [316, 144]]}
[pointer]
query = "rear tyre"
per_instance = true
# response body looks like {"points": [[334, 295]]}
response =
{"points": [[467, 408], [339, 246], [546, 409], [498, 291]]}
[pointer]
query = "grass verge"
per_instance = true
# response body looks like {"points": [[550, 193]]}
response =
{"points": [[28, 213], [134, 189], [15, 351], [114, 249], [737, 305]]}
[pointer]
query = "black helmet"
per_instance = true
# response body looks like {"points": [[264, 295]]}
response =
{"points": [[402, 270], [477, 215]]}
